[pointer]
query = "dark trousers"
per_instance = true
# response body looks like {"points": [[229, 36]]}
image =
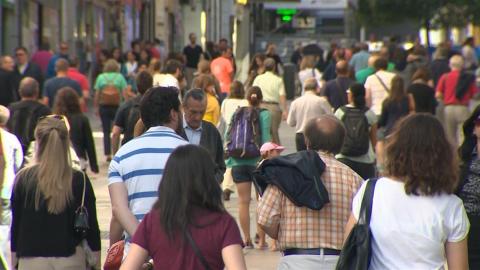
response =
{"points": [[474, 242], [300, 142], [107, 116], [365, 170]]}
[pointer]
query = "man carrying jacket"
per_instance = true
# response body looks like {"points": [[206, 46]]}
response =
{"points": [[200, 132], [312, 239]]}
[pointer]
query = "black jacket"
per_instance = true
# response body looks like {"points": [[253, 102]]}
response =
{"points": [[32, 70], [82, 139], [298, 176], [212, 141], [8, 92]]}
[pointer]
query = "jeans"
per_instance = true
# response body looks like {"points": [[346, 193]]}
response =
{"points": [[300, 142], [107, 116]]}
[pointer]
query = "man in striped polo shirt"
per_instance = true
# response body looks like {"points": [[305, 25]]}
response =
{"points": [[136, 170]]}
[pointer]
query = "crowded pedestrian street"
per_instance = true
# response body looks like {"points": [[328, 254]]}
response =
{"points": [[239, 134]]}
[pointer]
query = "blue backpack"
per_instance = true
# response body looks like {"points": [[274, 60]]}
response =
{"points": [[244, 136]]}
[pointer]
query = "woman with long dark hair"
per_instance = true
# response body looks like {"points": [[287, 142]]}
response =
{"points": [[189, 215], [416, 220], [397, 105], [363, 164], [422, 91], [66, 103], [469, 188], [44, 201], [256, 68]]}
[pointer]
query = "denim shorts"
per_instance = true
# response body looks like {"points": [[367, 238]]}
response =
{"points": [[243, 173]]}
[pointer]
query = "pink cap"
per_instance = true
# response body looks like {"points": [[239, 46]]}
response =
{"points": [[271, 146]]}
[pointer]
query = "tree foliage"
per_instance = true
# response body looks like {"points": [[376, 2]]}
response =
{"points": [[440, 12]]}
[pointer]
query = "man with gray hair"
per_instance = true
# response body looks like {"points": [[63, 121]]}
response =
{"points": [[274, 96], [304, 108], [456, 89], [312, 239], [11, 159], [52, 85], [200, 132], [25, 113]]}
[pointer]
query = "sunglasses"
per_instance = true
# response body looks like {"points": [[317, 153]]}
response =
{"points": [[58, 117]]}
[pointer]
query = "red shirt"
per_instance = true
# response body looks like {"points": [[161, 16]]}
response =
{"points": [[222, 69], [219, 230], [81, 79], [447, 84]]}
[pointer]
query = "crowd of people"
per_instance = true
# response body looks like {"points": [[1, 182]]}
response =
{"points": [[181, 134]]}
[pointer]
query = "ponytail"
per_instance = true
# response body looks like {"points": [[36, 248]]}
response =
{"points": [[54, 174], [254, 96]]}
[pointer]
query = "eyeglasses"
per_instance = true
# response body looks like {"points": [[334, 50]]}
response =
{"points": [[58, 117]]}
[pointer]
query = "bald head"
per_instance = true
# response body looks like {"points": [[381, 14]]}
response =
{"points": [[372, 59], [7, 63], [341, 68], [325, 133], [310, 84], [28, 88]]}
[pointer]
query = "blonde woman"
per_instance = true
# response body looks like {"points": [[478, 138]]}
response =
{"points": [[44, 200], [109, 87], [308, 70]]}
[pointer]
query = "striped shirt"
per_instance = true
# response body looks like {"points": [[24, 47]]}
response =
{"points": [[139, 164]]}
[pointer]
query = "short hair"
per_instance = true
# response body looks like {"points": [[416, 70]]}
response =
{"points": [[156, 105], [195, 93], [380, 64], [223, 40], [341, 67], [21, 48], [237, 90], [325, 133], [191, 34], [418, 153], [144, 82], [310, 84], [269, 64], [171, 66], [357, 92], [74, 61], [28, 88], [111, 65], [456, 62], [4, 115], [61, 65]]}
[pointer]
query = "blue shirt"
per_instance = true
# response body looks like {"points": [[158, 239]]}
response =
{"points": [[359, 60], [51, 87], [139, 165], [193, 135]]}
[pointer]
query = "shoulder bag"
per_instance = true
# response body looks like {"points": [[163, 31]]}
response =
{"points": [[196, 250], [357, 250], [80, 224], [383, 84]]}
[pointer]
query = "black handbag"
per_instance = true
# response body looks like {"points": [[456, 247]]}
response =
{"points": [[357, 250], [80, 225]]}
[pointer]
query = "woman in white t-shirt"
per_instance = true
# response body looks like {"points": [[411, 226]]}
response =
{"points": [[417, 222], [308, 70], [235, 100]]}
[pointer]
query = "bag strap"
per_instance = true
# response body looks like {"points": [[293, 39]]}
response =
{"points": [[367, 202], [382, 83], [83, 194], [196, 250]]}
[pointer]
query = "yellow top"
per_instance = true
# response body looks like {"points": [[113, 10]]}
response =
{"points": [[212, 114]]}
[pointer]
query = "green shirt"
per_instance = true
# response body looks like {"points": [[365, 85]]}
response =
{"points": [[265, 124], [114, 78], [362, 75], [369, 157]]}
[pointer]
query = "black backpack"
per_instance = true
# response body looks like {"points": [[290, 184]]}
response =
{"points": [[357, 136]]}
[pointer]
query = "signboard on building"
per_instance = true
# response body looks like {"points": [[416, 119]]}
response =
{"points": [[306, 4]]}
